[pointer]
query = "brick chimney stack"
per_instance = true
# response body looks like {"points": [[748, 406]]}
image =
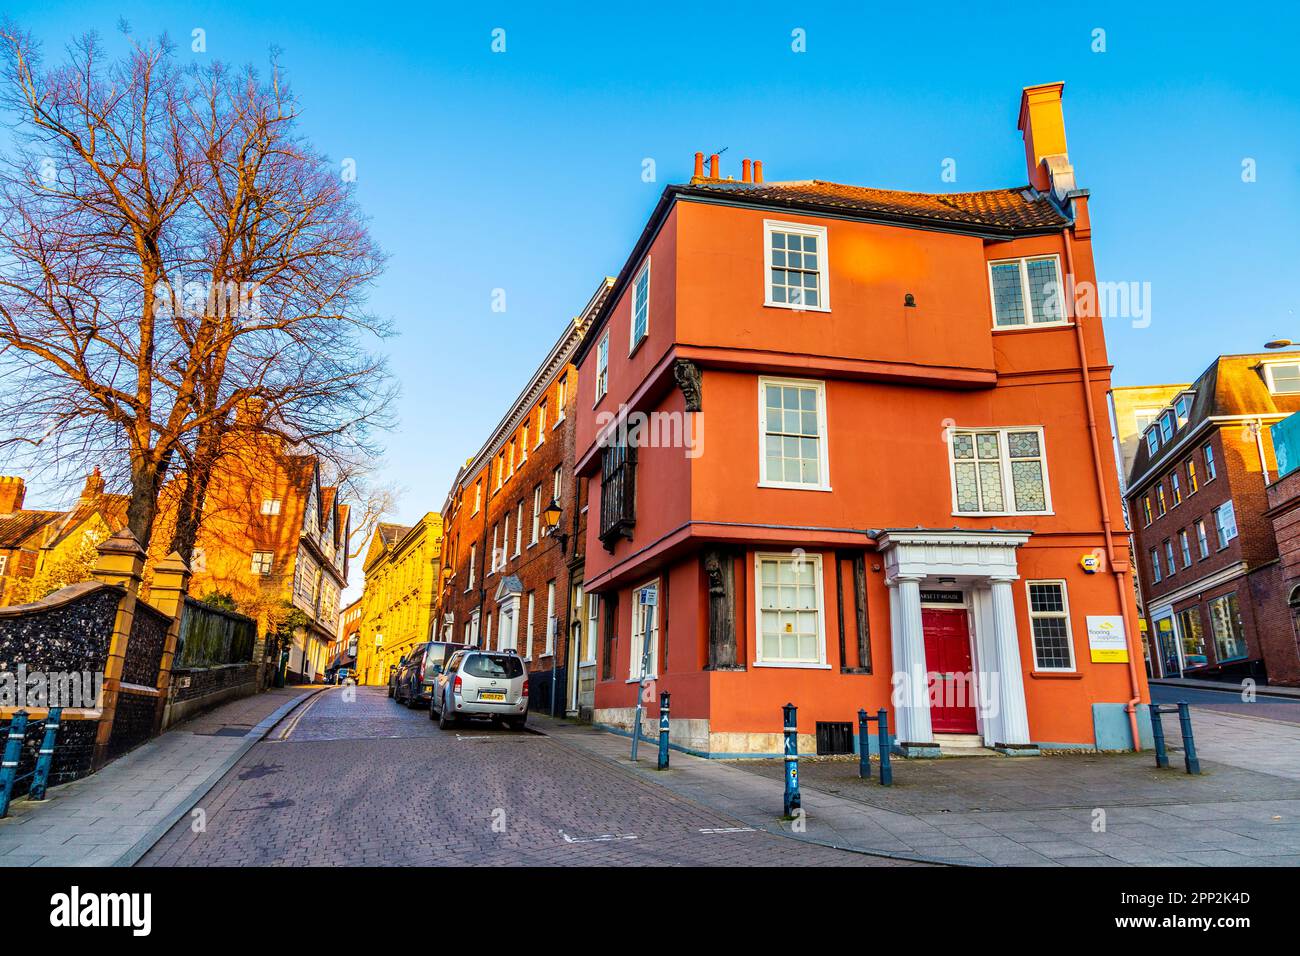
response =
{"points": [[12, 492], [1042, 123], [94, 487]]}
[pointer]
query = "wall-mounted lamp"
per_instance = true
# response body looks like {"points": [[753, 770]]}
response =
{"points": [[551, 521]]}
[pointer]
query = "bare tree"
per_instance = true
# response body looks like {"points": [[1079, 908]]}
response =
{"points": [[172, 252]]}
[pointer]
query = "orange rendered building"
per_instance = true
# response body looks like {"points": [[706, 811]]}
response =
{"points": [[848, 448]]}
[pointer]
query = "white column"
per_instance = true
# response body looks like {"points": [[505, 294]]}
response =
{"points": [[914, 711], [1014, 717]]}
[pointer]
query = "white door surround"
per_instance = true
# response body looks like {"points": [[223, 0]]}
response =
{"points": [[981, 564]]}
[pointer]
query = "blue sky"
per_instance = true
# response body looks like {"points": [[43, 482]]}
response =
{"points": [[522, 170]]}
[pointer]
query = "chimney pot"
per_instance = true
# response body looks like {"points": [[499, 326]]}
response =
{"points": [[746, 171], [713, 166], [758, 171], [699, 165], [12, 492]]}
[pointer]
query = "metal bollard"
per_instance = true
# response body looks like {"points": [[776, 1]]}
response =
{"points": [[9, 763], [1190, 760], [882, 730], [663, 730], [864, 748], [41, 777], [1158, 733], [791, 729]]}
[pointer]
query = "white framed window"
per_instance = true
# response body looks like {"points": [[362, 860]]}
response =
{"points": [[494, 558], [1225, 522], [1144, 417], [640, 308], [528, 647], [790, 625], [537, 516], [792, 434], [271, 506], [4, 563], [557, 483], [510, 460], [1185, 545], [1155, 565], [1049, 619], [551, 622], [473, 561], [645, 627], [1166, 426], [1202, 539], [796, 272], [541, 423], [1026, 291], [561, 399], [478, 495], [1283, 378], [999, 471], [602, 367], [1210, 471], [1176, 486], [519, 528], [1181, 407], [262, 562], [523, 442], [1170, 568], [505, 540], [1153, 440], [593, 617]]}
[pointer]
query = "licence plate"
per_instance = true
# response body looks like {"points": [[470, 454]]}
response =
{"points": [[491, 695]]}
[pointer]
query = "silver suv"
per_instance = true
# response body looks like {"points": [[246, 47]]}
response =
{"points": [[475, 683]]}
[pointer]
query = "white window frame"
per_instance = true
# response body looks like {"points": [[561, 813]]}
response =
{"points": [[1269, 380], [1155, 566], [1218, 523], [532, 608], [1064, 614], [823, 264], [1029, 322], [478, 496], [1153, 439], [260, 567], [1185, 546], [561, 399], [819, 588], [557, 483], [541, 423], [633, 341], [552, 622], [1211, 467], [271, 506], [1004, 459], [593, 621], [4, 563], [473, 559], [823, 434], [602, 368], [1202, 539], [636, 644], [1171, 566], [519, 528], [535, 534], [523, 442], [496, 548]]}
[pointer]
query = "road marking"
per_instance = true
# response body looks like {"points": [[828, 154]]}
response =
{"points": [[728, 830], [602, 838], [297, 718]]}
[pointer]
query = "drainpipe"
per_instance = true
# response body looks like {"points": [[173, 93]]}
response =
{"points": [[1259, 447], [1121, 583]]}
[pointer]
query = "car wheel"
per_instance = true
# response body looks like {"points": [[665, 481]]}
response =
{"points": [[445, 721], [433, 713], [517, 723]]}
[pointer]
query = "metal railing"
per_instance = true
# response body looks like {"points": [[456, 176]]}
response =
{"points": [[13, 752]]}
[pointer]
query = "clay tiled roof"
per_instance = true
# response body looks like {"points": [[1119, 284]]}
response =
{"points": [[1016, 210], [111, 507], [18, 527]]}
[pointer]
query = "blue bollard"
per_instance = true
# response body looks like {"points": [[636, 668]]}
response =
{"points": [[41, 778], [864, 749], [882, 730], [791, 729], [663, 731], [9, 763], [1158, 732], [1190, 760]]}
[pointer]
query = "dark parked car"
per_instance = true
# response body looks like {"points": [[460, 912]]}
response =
{"points": [[414, 681], [481, 684], [393, 670]]}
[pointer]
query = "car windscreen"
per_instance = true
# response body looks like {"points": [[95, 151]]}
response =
{"points": [[438, 653], [494, 665]]}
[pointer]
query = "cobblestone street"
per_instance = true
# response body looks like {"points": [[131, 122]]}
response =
{"points": [[369, 782]]}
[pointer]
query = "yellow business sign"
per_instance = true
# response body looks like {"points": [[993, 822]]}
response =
{"points": [[1107, 643]]}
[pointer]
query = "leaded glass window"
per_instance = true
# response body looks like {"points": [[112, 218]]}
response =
{"points": [[1026, 291], [999, 471]]}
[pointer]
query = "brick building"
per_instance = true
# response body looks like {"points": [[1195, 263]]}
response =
{"points": [[1207, 553], [1284, 513], [506, 581]]}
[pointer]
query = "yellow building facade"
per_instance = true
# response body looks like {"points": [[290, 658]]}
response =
{"points": [[400, 596]]}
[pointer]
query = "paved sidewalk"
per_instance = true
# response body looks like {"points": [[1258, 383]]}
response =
{"points": [[110, 817], [980, 811]]}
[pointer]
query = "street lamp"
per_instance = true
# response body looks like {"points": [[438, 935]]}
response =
{"points": [[1279, 344], [551, 521]]}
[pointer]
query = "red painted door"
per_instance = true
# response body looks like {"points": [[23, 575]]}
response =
{"points": [[948, 663]]}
